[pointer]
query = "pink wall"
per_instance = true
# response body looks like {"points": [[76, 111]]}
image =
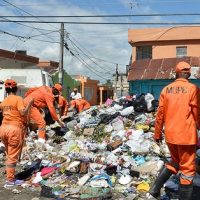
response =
{"points": [[163, 34], [167, 49]]}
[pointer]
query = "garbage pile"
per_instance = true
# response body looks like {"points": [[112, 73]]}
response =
{"points": [[105, 152]]}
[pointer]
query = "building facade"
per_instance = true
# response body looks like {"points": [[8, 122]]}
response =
{"points": [[157, 43], [88, 88], [155, 53], [103, 93], [120, 85]]}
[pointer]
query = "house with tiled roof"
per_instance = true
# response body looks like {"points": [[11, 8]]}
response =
{"points": [[155, 53]]}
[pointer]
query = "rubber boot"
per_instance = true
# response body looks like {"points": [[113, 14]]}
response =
{"points": [[185, 192], [163, 176]]}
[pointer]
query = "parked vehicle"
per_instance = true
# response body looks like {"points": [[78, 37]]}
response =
{"points": [[25, 78]]}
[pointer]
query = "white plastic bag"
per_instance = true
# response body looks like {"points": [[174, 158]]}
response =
{"points": [[84, 179], [149, 98], [118, 124], [127, 111], [108, 128]]}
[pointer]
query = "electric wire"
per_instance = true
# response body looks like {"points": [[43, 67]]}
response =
{"points": [[102, 16], [102, 23], [94, 57], [89, 67], [25, 38], [28, 14], [105, 70], [23, 11]]}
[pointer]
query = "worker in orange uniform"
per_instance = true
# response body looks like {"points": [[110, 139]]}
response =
{"points": [[43, 97], [80, 105], [63, 106], [61, 101], [178, 111], [13, 129]]}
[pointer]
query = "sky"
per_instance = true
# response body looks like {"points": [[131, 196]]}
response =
{"points": [[93, 50]]}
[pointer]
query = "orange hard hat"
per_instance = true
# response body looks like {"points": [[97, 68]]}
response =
{"points": [[58, 87], [183, 67], [9, 83]]}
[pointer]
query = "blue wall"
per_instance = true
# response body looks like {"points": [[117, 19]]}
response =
{"points": [[152, 86]]}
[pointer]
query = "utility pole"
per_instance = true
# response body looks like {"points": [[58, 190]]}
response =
{"points": [[116, 80], [121, 84], [60, 75]]}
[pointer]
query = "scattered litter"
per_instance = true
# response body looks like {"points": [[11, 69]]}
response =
{"points": [[15, 191], [143, 187], [104, 152]]}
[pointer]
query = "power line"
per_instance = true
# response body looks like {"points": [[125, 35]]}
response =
{"points": [[89, 57], [43, 34], [107, 61], [27, 37], [104, 23], [47, 41], [104, 16], [14, 35], [89, 52], [88, 67], [60, 4], [102, 60], [94, 70], [94, 57], [28, 14], [36, 28], [84, 62], [22, 10]]}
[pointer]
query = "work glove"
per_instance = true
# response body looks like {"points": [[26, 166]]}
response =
{"points": [[61, 124]]}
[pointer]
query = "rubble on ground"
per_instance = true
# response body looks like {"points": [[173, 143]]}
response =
{"points": [[105, 152]]}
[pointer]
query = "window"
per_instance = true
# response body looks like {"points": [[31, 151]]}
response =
{"points": [[181, 52], [143, 52]]}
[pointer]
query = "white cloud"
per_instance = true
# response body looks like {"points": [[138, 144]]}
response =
{"points": [[108, 42]]}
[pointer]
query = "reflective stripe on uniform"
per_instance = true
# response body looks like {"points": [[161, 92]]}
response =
{"points": [[187, 177], [42, 129], [11, 165]]}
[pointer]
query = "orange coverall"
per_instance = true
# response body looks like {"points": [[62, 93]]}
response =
{"points": [[43, 97], [179, 112], [63, 105], [12, 132], [80, 104]]}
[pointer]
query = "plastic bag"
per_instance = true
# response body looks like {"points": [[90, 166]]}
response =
{"points": [[101, 177], [140, 104], [71, 125], [84, 179], [125, 179], [149, 98], [118, 124], [108, 128], [118, 107], [127, 111]]}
